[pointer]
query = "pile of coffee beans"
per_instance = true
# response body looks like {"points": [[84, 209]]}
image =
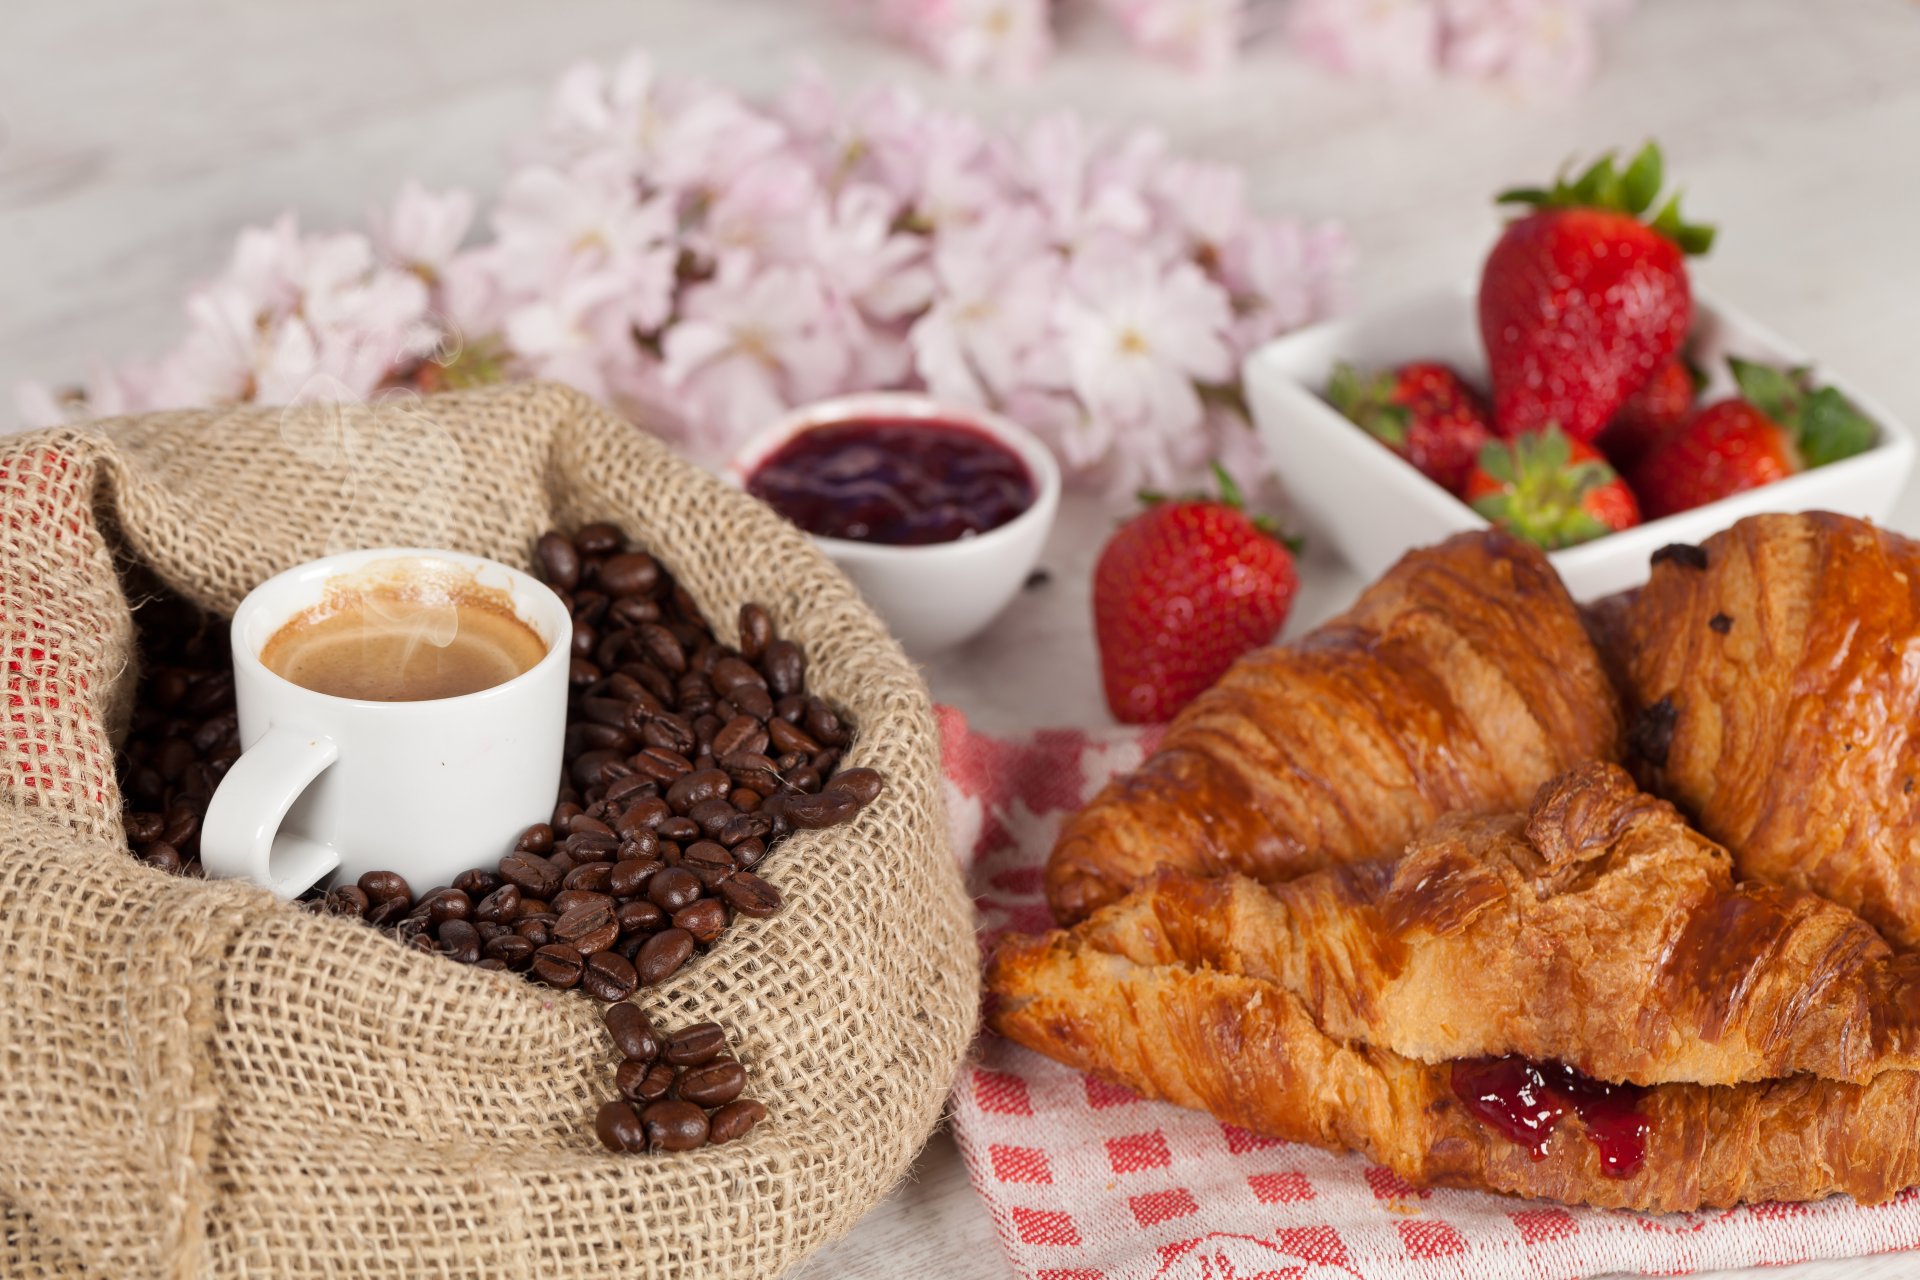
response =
{"points": [[677, 1091], [686, 761]]}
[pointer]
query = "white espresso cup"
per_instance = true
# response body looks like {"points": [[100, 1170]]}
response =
{"points": [[428, 788]]}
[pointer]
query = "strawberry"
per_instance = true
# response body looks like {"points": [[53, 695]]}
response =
{"points": [[1181, 590], [1581, 302], [1425, 412], [1550, 489], [1650, 414], [1778, 425]]}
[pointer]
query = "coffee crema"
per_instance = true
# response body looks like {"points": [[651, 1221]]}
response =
{"points": [[404, 641]]}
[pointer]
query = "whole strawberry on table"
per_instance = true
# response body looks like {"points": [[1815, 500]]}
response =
{"points": [[1181, 590]]}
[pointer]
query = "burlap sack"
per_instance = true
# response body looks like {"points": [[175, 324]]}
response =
{"points": [[197, 1080]]}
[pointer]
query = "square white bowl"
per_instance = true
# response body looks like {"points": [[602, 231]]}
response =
{"points": [[1373, 506]]}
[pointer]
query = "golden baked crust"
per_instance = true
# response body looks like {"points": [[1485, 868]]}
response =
{"points": [[1459, 682], [1773, 681], [1595, 930], [1249, 1052]]}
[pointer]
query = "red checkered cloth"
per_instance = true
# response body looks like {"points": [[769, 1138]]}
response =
{"points": [[1087, 1181]]}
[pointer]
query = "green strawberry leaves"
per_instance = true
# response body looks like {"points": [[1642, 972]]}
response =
{"points": [[1230, 495], [1542, 489], [1824, 424], [1369, 403], [1631, 191]]}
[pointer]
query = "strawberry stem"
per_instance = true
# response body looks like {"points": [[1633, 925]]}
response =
{"points": [[1631, 191]]}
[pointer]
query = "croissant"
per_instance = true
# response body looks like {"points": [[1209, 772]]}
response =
{"points": [[1595, 929], [1772, 677], [1250, 1053], [1459, 682]]}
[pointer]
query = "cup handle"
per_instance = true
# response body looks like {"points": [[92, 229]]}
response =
{"points": [[241, 837]]}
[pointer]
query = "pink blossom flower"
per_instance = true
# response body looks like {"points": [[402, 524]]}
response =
{"points": [[548, 220], [1200, 35], [1138, 339], [572, 330], [1396, 40], [853, 242], [423, 230], [1204, 204], [1536, 44], [749, 344], [1007, 39], [763, 212], [1088, 185], [989, 331], [1282, 274]]}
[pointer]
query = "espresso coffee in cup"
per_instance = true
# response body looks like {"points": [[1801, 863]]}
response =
{"points": [[405, 642]]}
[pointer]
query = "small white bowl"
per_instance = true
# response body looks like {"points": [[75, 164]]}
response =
{"points": [[1373, 505], [938, 595]]}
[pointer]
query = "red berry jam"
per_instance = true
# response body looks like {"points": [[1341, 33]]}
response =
{"points": [[1524, 1101], [904, 482]]}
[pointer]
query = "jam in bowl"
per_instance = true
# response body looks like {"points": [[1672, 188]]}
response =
{"points": [[898, 481], [937, 512]]}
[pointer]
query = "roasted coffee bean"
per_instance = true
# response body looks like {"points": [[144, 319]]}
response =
{"points": [[537, 838], [564, 812], [591, 846], [477, 883], [803, 778], [611, 712], [706, 919], [588, 928], [490, 929], [673, 888], [599, 539], [586, 736], [162, 856], [533, 908], [580, 672], [785, 666], [585, 637], [442, 905], [347, 900], [751, 896], [629, 876], [740, 734], [673, 1125], [792, 708], [459, 940], [569, 899], [390, 912], [821, 809], [709, 862], [661, 764], [491, 965], [535, 875], [385, 886], [559, 562], [679, 830], [702, 784], [789, 738], [825, 724], [670, 732], [209, 693], [631, 611], [591, 877], [735, 1120], [744, 799], [632, 1032], [145, 828], [619, 1128], [423, 943], [608, 977], [863, 785], [661, 647], [510, 949], [639, 916], [695, 1044], [731, 673], [182, 826], [558, 965], [535, 929], [643, 1081], [631, 574], [754, 701], [500, 906], [649, 812], [712, 1084], [662, 955], [626, 791], [747, 854], [712, 815], [756, 631]]}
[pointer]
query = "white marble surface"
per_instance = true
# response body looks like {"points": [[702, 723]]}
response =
{"points": [[137, 135]]}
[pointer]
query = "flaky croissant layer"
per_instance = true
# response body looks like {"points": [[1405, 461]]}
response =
{"points": [[1459, 682]]}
